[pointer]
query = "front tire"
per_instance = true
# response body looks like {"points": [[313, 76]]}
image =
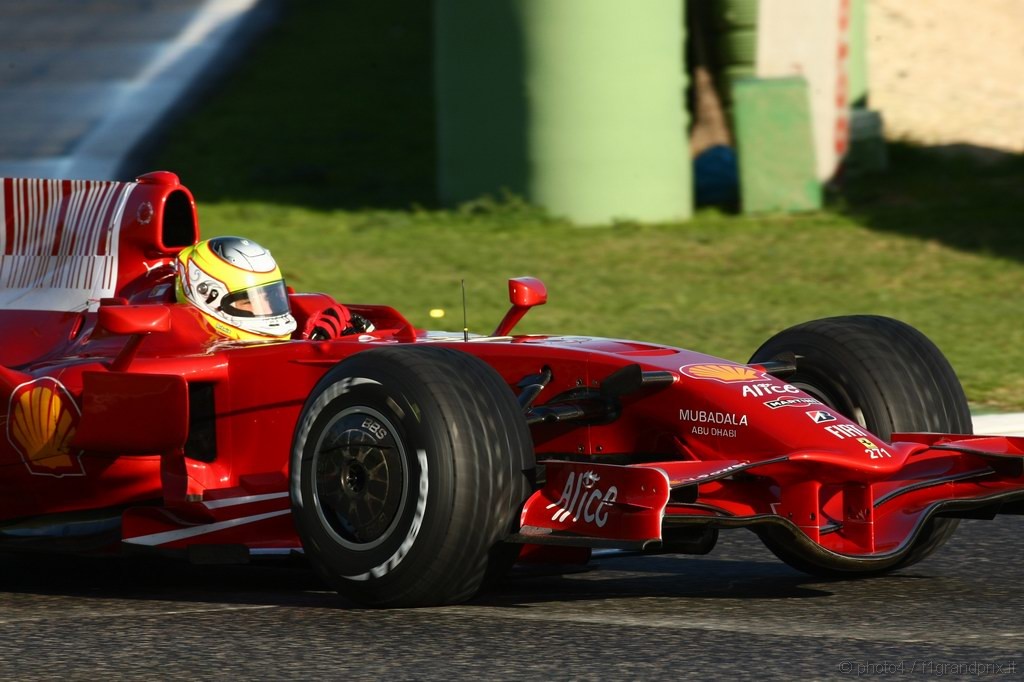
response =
{"points": [[409, 467], [888, 377]]}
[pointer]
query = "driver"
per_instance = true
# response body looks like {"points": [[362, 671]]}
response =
{"points": [[238, 287], [236, 284]]}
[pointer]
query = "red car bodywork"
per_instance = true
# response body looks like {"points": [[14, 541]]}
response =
{"points": [[128, 420]]}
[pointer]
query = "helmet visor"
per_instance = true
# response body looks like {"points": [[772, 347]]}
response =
{"points": [[266, 300]]}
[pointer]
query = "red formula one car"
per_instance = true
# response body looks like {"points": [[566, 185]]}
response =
{"points": [[409, 466]]}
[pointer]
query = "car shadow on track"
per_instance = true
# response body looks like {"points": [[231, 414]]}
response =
{"points": [[294, 584], [139, 578], [661, 577]]}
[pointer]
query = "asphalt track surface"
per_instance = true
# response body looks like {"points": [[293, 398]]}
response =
{"points": [[737, 612]]}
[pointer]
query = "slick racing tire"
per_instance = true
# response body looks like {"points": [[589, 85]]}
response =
{"points": [[409, 467], [886, 376]]}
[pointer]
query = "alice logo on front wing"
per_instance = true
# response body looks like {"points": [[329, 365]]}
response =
{"points": [[583, 500], [727, 374], [41, 422]]}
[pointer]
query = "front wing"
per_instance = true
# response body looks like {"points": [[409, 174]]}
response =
{"points": [[820, 501]]}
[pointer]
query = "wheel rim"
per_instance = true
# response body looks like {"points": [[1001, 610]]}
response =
{"points": [[361, 476]]}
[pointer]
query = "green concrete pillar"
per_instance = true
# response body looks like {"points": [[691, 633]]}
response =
{"points": [[775, 145], [577, 105], [857, 60]]}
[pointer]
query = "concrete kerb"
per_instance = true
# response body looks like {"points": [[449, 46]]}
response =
{"points": [[1007, 424]]}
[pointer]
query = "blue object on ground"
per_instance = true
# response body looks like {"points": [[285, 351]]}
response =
{"points": [[716, 178]]}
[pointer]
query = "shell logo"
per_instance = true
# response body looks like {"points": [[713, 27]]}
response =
{"points": [[728, 374], [41, 422]]}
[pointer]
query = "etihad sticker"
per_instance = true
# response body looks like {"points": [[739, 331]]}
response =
{"points": [[820, 416], [41, 422], [791, 402], [721, 473], [727, 374]]}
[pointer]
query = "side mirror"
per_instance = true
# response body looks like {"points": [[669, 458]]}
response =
{"points": [[526, 292], [134, 321], [523, 293]]}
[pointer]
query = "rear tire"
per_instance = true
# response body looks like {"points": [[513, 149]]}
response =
{"points": [[888, 377], [409, 467]]}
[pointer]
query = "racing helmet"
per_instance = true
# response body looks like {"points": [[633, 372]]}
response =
{"points": [[236, 284]]}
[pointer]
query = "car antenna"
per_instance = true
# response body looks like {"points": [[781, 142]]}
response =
{"points": [[465, 324]]}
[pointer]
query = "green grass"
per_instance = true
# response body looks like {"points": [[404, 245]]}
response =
{"points": [[320, 146]]}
